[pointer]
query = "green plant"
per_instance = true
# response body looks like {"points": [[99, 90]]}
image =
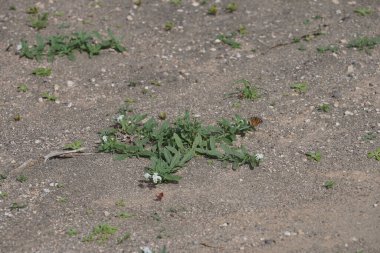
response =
{"points": [[242, 30], [62, 45], [2, 176], [231, 7], [324, 108], [213, 10], [329, 184], [316, 156], [363, 11], [137, 2], [247, 92], [21, 178], [3, 195], [156, 217], [369, 136], [61, 199], [324, 49], [364, 43], [299, 87], [39, 21], [171, 146], [32, 10], [12, 8], [124, 237], [17, 206], [169, 25], [296, 40], [124, 215], [306, 22], [162, 115], [228, 40], [74, 145], [17, 117], [22, 88], [176, 2], [375, 154], [100, 233], [48, 96], [42, 72], [72, 232], [120, 203]]}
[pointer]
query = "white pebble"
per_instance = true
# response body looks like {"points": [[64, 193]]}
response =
{"points": [[70, 83], [348, 113]]}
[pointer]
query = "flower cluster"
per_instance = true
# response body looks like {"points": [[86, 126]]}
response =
{"points": [[120, 118], [155, 177], [259, 157]]}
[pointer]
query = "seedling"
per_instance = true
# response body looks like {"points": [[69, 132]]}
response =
{"points": [[22, 88], [72, 232], [12, 8], [42, 72], [2, 176], [375, 154], [296, 40], [302, 47], [156, 217], [364, 43], [73, 146], [168, 25], [299, 87], [124, 237], [228, 40], [331, 48], [162, 115], [3, 195], [213, 10], [61, 199], [176, 2], [17, 117], [48, 96], [316, 156], [329, 184], [363, 11], [247, 92], [231, 7], [124, 215], [100, 233], [17, 206], [369, 136], [32, 10], [137, 2], [39, 21], [324, 108], [306, 22], [21, 178], [120, 203]]}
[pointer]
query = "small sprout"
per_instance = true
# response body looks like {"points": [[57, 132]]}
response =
{"points": [[316, 156], [48, 96], [61, 199], [39, 21], [22, 88], [306, 22], [74, 145], [329, 184], [162, 115], [176, 2], [72, 232], [17, 117], [364, 43], [212, 10], [137, 2], [375, 154], [2, 176], [120, 203], [317, 17], [242, 30], [169, 25], [12, 8], [296, 40], [17, 206], [369, 136], [231, 7], [203, 2], [299, 87], [124, 237], [363, 11], [100, 233], [3, 195], [331, 48], [324, 108], [302, 47], [228, 40], [42, 72], [32, 10], [21, 178], [248, 91], [156, 217], [124, 215], [155, 83]]}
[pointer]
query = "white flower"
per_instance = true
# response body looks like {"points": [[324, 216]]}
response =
{"points": [[146, 250], [147, 176], [120, 118], [259, 157], [19, 47], [105, 138], [156, 178]]}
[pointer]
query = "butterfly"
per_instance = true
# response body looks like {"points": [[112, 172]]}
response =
{"points": [[255, 121]]}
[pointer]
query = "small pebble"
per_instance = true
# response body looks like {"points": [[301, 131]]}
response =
{"points": [[348, 113], [106, 213], [70, 83]]}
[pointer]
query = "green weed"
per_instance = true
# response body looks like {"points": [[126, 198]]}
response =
{"points": [[39, 21], [120, 203], [363, 11], [249, 91], [48, 96], [324, 49], [364, 43], [137, 2], [242, 30], [74, 145], [171, 146], [3, 195], [231, 7], [124, 237], [324, 108], [22, 88], [32, 10], [176, 2], [100, 233], [316, 156], [375, 154], [72, 232], [213, 10], [17, 117], [42, 72], [62, 45], [299, 87], [329, 184], [169, 25], [12, 8], [228, 40], [21, 178], [2, 176], [124, 215], [17, 206], [369, 136]]}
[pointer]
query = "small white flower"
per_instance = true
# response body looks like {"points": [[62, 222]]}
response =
{"points": [[105, 138], [19, 47], [146, 250], [147, 176], [120, 118], [156, 178], [259, 157]]}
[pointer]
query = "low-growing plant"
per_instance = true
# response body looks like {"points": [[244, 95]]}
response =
{"points": [[3, 195], [363, 11], [21, 178], [249, 91], [61, 45], [329, 184], [2, 176], [176, 2], [120, 203], [228, 40], [72, 232], [299, 87], [375, 154], [124, 215], [364, 43], [41, 72], [100, 233], [242, 30], [74, 145], [324, 49], [169, 25], [231, 7], [39, 21], [17, 206], [48, 96], [324, 108], [124, 237], [316, 156], [22, 88], [369, 136], [32, 10], [213, 10], [137, 2], [171, 146], [12, 8]]}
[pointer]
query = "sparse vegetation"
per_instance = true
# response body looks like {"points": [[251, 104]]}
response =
{"points": [[21, 178], [316, 156], [176, 2], [229, 40], [169, 25], [375, 154], [299, 87], [213, 10], [48, 96], [329, 184], [41, 72], [72, 232], [17, 206], [369, 136], [124, 215], [324, 108], [331, 48], [17, 117], [74, 145], [249, 91], [39, 21], [363, 11], [100, 233], [22, 88], [231, 7], [364, 43], [124, 237]]}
